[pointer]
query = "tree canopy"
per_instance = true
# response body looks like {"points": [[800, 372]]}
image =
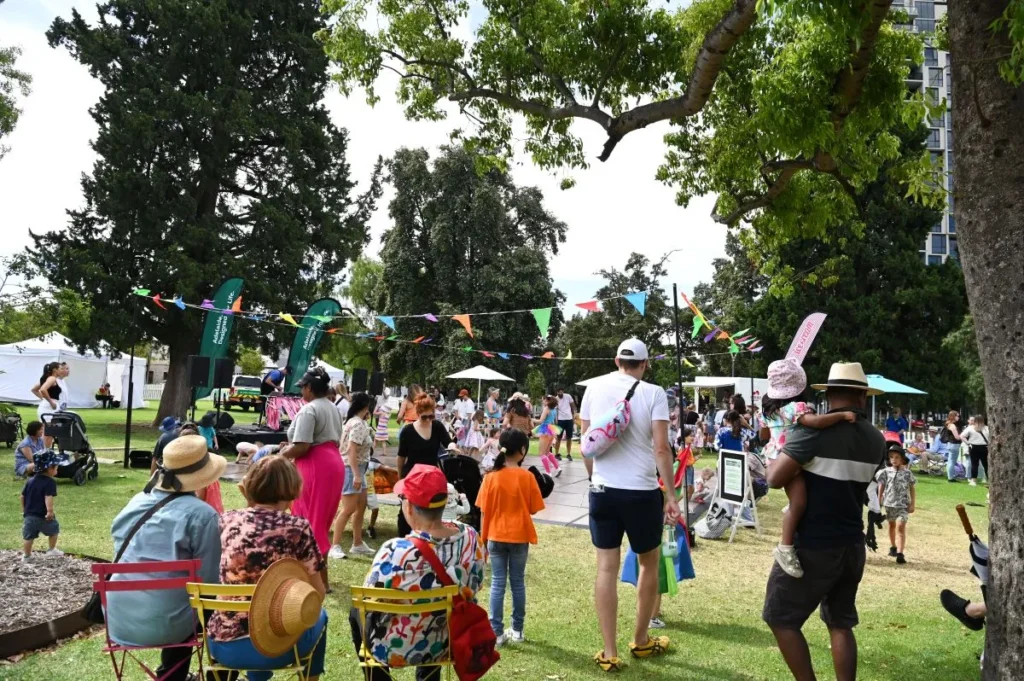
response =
{"points": [[13, 82], [360, 293], [216, 158], [463, 241]]}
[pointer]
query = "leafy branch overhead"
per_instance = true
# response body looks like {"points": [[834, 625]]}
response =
{"points": [[756, 92]]}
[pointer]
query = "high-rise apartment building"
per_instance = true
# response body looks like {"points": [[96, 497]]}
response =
{"points": [[933, 78]]}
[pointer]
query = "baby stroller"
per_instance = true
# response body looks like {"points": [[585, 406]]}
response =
{"points": [[463, 472], [79, 460], [10, 427]]}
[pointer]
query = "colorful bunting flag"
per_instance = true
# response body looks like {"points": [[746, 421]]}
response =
{"points": [[388, 321], [419, 339], [708, 338], [568, 355], [722, 335], [430, 318], [288, 318], [542, 315], [740, 333], [426, 342], [464, 320], [467, 348], [178, 302], [698, 324], [589, 306], [156, 301], [688, 363], [733, 348], [391, 338], [141, 291], [637, 300], [503, 355], [487, 354], [207, 304], [744, 339], [237, 305], [757, 349], [548, 355], [526, 356]]}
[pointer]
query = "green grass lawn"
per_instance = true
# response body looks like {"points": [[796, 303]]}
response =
{"points": [[714, 622]]}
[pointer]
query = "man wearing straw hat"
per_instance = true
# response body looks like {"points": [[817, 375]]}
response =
{"points": [[837, 464], [180, 527]]}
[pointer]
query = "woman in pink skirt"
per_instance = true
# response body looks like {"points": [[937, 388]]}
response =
{"points": [[313, 444]]}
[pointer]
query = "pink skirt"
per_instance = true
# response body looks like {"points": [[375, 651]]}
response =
{"points": [[323, 477]]}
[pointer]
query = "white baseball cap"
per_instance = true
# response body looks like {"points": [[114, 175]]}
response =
{"points": [[632, 348]]}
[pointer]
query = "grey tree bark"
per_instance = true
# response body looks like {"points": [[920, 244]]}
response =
{"points": [[988, 117]]}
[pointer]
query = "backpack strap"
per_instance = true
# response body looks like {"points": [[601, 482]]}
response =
{"points": [[632, 390], [427, 551]]}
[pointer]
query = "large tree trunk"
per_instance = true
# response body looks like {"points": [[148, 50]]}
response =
{"points": [[177, 395], [988, 116]]}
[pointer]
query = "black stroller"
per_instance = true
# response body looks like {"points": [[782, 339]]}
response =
{"points": [[463, 472], [10, 427], [79, 460]]}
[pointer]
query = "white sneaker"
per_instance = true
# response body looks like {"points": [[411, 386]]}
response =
{"points": [[513, 636], [26, 558], [558, 472], [973, 483], [336, 553], [501, 640], [55, 552], [362, 550], [656, 623], [786, 557]]}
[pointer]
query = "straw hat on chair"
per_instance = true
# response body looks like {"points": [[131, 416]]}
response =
{"points": [[284, 605]]}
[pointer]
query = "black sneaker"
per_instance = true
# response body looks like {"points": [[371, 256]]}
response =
{"points": [[957, 607], [558, 457], [568, 457], [900, 559], [892, 551]]}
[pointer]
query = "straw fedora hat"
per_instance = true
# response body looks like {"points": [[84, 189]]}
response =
{"points": [[284, 605], [188, 466], [847, 375]]}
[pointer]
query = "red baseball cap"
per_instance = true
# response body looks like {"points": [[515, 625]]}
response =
{"points": [[425, 486]]}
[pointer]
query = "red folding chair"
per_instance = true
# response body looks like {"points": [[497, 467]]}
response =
{"points": [[103, 585]]}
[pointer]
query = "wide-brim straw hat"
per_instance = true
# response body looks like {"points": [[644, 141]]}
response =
{"points": [[847, 375], [188, 465], [284, 605]]}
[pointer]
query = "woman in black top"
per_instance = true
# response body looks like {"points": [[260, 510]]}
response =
{"points": [[422, 442], [48, 391]]}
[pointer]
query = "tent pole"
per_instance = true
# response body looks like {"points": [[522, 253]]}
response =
{"points": [[479, 387], [679, 409]]}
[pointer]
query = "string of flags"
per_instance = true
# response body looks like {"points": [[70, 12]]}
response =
{"points": [[741, 340], [541, 315]]}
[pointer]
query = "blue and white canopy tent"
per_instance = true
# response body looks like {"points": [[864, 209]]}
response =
{"points": [[889, 386]]}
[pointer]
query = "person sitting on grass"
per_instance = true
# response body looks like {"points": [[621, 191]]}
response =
{"points": [[400, 564], [37, 505], [27, 449], [896, 492]]}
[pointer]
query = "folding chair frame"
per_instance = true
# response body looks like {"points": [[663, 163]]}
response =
{"points": [[119, 654], [204, 599], [397, 602]]}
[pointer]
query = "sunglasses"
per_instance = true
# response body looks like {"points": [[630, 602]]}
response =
{"points": [[427, 417]]}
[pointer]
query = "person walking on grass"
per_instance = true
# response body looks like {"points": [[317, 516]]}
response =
{"points": [[566, 421], [356, 446], [626, 499], [37, 499], [897, 494], [837, 464]]}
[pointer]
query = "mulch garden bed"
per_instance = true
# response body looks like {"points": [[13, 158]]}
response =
{"points": [[43, 589]]}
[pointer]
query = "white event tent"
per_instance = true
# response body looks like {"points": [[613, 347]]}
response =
{"points": [[21, 366]]}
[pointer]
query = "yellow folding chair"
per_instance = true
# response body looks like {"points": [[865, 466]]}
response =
{"points": [[396, 602], [204, 600]]}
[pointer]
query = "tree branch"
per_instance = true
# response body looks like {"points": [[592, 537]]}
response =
{"points": [[538, 63], [535, 108], [599, 90]]}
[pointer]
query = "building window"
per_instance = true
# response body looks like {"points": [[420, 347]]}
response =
{"points": [[934, 140], [935, 77], [936, 159], [954, 249], [934, 259], [924, 256], [932, 95], [939, 243], [924, 25], [937, 228], [931, 56], [938, 122], [165, 376], [952, 224], [925, 9], [949, 160], [149, 377]]}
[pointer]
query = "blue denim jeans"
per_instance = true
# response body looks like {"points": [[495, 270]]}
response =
{"points": [[952, 457], [508, 562], [241, 654]]}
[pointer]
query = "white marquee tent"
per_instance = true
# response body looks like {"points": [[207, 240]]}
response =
{"points": [[21, 365]]}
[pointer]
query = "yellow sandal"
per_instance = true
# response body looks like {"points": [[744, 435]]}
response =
{"points": [[656, 645], [608, 664]]}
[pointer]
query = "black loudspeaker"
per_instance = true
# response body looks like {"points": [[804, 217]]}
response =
{"points": [[377, 384], [359, 377], [223, 371], [224, 421], [198, 371]]}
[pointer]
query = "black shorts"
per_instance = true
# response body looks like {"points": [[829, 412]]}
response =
{"points": [[567, 428], [831, 578], [638, 514]]}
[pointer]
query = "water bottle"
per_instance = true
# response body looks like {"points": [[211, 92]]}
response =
{"points": [[669, 547]]}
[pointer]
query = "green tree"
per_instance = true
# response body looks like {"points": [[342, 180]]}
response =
{"points": [[463, 241], [212, 162], [962, 343], [13, 82], [361, 293], [250, 361]]}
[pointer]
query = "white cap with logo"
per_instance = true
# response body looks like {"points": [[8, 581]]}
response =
{"points": [[632, 348]]}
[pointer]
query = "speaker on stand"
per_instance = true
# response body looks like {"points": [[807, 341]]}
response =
{"points": [[198, 377], [359, 378], [377, 384], [223, 372]]}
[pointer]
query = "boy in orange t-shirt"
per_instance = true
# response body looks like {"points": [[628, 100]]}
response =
{"points": [[507, 499]]}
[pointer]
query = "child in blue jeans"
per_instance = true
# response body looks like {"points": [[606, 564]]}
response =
{"points": [[508, 498], [37, 505]]}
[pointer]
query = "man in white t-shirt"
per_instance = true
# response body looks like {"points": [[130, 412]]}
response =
{"points": [[464, 406], [625, 497], [566, 421]]}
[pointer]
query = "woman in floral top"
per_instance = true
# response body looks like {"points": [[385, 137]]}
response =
{"points": [[356, 447], [252, 539], [419, 639]]}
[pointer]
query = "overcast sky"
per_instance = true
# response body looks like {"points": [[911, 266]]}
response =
{"points": [[616, 207]]}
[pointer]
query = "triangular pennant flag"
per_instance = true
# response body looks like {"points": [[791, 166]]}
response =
{"points": [[503, 355], [637, 300], [733, 348], [568, 355], [691, 306], [429, 317], [589, 306], [487, 354], [237, 305], [288, 318], [467, 348], [419, 339], [207, 304], [710, 336], [698, 324], [757, 349], [548, 355], [464, 320], [257, 317], [378, 338], [740, 333], [722, 335], [391, 338], [526, 356], [156, 300], [659, 357], [331, 330], [141, 291], [388, 321], [179, 302], [427, 341], [543, 317], [688, 363]]}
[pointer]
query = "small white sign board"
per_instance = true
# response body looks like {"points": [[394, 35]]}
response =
{"points": [[736, 489]]}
